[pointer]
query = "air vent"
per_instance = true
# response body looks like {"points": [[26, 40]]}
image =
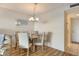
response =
{"points": [[74, 5]]}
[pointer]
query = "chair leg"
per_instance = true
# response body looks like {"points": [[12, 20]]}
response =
{"points": [[45, 48], [28, 52], [20, 51], [36, 48], [33, 48], [42, 48]]}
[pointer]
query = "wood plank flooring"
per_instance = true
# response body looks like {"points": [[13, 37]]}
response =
{"points": [[48, 52]]}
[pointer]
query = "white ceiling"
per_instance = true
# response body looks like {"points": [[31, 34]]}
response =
{"points": [[27, 8]]}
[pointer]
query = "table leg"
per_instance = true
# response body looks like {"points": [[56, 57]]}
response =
{"points": [[33, 46]]}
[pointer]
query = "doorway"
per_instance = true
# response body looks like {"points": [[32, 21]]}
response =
{"points": [[72, 31]]}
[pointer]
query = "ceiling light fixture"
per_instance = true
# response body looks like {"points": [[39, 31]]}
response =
{"points": [[34, 18]]}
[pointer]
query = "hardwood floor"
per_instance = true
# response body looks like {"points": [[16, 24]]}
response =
{"points": [[48, 52]]}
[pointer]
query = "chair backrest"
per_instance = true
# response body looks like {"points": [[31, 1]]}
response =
{"points": [[7, 39], [48, 36], [42, 37], [23, 40]]}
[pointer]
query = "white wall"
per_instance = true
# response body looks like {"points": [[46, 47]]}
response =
{"points": [[55, 25], [8, 19]]}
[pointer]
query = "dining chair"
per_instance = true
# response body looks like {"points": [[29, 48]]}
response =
{"points": [[47, 39], [23, 39], [43, 40], [40, 41], [6, 45], [1, 44]]}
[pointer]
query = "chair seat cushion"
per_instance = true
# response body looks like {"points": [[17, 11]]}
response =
{"points": [[30, 44]]}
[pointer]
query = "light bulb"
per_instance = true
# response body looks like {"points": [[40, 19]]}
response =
{"points": [[31, 19], [37, 19]]}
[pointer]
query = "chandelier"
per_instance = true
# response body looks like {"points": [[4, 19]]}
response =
{"points": [[34, 18]]}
